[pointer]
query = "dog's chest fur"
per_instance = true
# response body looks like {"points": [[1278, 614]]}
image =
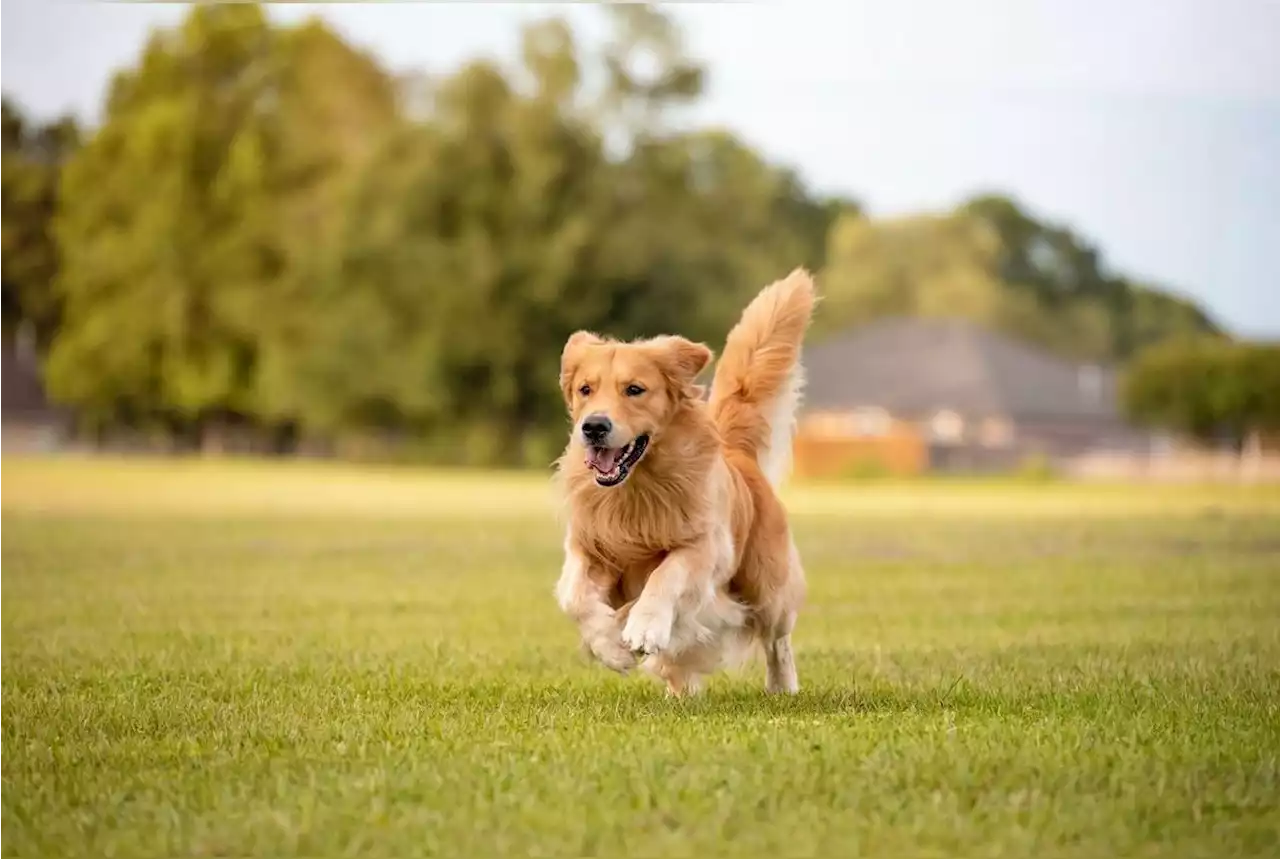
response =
{"points": [[630, 530], [625, 527]]}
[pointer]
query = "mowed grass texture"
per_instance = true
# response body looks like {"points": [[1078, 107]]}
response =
{"points": [[302, 660]]}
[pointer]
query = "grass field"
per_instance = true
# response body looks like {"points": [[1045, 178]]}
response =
{"points": [[241, 659]]}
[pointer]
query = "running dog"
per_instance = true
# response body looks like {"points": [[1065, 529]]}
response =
{"points": [[677, 549]]}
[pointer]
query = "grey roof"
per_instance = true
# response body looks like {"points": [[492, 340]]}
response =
{"points": [[913, 367]]}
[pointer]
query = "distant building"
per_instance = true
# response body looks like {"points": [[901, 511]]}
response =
{"points": [[30, 422], [909, 395]]}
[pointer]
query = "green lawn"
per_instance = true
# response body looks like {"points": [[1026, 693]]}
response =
{"points": [[240, 659]]}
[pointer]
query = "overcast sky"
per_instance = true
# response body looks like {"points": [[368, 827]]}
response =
{"points": [[1151, 126]]}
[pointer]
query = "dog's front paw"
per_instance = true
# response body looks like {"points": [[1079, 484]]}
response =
{"points": [[648, 629], [612, 654], [601, 637]]}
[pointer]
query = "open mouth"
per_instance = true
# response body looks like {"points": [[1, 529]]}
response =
{"points": [[612, 465]]}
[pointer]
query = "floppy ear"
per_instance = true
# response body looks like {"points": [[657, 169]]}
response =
{"points": [[684, 360], [569, 359]]}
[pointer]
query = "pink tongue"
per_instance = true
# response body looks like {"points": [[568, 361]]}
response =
{"points": [[603, 459]]}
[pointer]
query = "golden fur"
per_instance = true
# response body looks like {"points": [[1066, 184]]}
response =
{"points": [[689, 559]]}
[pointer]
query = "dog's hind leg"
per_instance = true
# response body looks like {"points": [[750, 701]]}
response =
{"points": [[704, 641], [776, 631], [686, 685], [681, 680], [780, 665]]}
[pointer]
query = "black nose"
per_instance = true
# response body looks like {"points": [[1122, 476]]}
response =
{"points": [[596, 427]]}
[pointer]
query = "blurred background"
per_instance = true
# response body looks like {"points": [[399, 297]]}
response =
{"points": [[1044, 232]]}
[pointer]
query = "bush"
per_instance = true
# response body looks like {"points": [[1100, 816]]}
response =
{"points": [[865, 468], [1036, 468]]}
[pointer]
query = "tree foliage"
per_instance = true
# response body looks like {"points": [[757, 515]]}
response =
{"points": [[268, 230], [476, 241], [991, 262], [1208, 388], [33, 159], [188, 215]]}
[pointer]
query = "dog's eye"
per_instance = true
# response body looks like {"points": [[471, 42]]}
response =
{"points": [[634, 390], [585, 390]]}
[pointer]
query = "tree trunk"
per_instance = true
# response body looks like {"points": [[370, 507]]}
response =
{"points": [[1251, 456], [213, 437]]}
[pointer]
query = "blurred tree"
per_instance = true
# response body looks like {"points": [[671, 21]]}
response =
{"points": [[1153, 315], [269, 230], [922, 265], [1047, 259], [1209, 388], [464, 261], [335, 106], [33, 160], [992, 263], [479, 239], [164, 256], [189, 213], [944, 266], [647, 73], [1063, 273], [1165, 387], [698, 222]]}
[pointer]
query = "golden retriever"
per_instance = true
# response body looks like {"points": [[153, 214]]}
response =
{"points": [[677, 548]]}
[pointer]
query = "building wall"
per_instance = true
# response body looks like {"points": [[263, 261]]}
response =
{"points": [[22, 436], [974, 458], [835, 444], [1179, 466], [1081, 437]]}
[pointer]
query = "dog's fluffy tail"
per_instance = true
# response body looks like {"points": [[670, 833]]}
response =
{"points": [[758, 380]]}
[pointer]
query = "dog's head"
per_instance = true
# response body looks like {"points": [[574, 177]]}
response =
{"points": [[622, 396]]}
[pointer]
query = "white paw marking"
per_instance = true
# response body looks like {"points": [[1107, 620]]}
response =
{"points": [[648, 629]]}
